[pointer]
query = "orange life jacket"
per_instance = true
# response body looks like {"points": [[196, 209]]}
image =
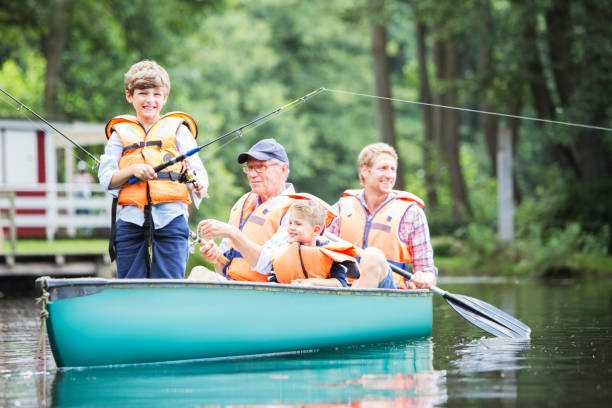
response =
{"points": [[382, 230], [154, 147], [259, 224], [298, 261]]}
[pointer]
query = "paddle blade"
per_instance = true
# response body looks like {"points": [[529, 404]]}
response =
{"points": [[487, 317]]}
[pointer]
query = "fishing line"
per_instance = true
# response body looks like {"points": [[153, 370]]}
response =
{"points": [[505, 115], [239, 130], [22, 105]]}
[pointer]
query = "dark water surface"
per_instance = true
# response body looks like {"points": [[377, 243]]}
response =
{"points": [[567, 362]]}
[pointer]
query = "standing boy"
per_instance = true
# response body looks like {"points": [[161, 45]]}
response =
{"points": [[150, 238]]}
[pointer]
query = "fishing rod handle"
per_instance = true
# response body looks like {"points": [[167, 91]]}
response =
{"points": [[198, 240], [170, 162]]}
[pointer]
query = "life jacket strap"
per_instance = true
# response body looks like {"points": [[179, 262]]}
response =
{"points": [[141, 144], [230, 255], [112, 252], [168, 175], [148, 231], [302, 261]]}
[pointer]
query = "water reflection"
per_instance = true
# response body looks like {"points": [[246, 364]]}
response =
{"points": [[490, 354], [488, 367], [389, 375]]}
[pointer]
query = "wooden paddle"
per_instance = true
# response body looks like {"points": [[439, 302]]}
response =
{"points": [[477, 312]]}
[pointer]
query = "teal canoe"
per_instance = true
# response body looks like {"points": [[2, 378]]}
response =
{"points": [[98, 322]]}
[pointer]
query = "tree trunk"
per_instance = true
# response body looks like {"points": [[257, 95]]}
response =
{"points": [[461, 207], [431, 181], [514, 125], [489, 124], [542, 98], [382, 82], [54, 46], [439, 123], [587, 147], [559, 26]]}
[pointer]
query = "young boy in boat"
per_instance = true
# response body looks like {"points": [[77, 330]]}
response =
{"points": [[154, 213], [307, 259]]}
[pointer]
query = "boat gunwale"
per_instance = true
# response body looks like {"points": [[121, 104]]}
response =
{"points": [[48, 283]]}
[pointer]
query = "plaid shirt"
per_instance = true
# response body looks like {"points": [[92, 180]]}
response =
{"points": [[413, 229]]}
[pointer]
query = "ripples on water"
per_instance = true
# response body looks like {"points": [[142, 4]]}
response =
{"points": [[386, 375], [566, 363]]}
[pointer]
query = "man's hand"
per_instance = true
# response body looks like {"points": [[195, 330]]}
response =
{"points": [[422, 280], [210, 251], [211, 228]]}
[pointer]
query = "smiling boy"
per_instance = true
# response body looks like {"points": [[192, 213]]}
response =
{"points": [[306, 260], [150, 237]]}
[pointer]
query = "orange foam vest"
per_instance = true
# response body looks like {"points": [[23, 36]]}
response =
{"points": [[382, 230], [259, 224], [154, 147], [298, 261]]}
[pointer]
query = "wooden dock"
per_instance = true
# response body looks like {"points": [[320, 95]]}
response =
{"points": [[59, 264]]}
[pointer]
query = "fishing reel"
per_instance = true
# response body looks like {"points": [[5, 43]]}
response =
{"points": [[188, 177], [194, 239]]}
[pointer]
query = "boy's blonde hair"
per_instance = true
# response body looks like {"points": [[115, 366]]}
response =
{"points": [[145, 75], [308, 210], [370, 153]]}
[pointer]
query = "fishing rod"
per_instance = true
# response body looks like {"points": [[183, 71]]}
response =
{"points": [[238, 130], [22, 105]]}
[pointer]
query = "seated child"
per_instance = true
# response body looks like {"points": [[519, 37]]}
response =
{"points": [[306, 260]]}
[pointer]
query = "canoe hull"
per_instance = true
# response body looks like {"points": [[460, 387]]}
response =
{"points": [[132, 321]]}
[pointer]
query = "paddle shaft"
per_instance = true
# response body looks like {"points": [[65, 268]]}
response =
{"points": [[490, 318], [446, 295]]}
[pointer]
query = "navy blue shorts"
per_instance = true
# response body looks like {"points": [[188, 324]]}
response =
{"points": [[170, 250], [388, 282]]}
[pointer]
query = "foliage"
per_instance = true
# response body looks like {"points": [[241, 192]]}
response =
{"points": [[233, 61], [25, 80]]}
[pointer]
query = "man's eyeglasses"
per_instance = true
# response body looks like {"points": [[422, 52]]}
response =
{"points": [[259, 167]]}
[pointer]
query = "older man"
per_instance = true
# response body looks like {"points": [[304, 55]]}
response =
{"points": [[392, 221], [257, 224]]}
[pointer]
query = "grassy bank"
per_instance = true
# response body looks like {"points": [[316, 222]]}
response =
{"points": [[58, 246], [451, 258], [456, 259]]}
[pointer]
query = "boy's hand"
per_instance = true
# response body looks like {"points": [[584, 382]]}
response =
{"points": [[199, 188], [303, 282], [143, 171]]}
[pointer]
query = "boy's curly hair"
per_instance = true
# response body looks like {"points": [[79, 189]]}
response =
{"points": [[146, 74]]}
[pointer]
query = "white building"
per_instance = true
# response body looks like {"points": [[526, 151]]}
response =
{"points": [[33, 199]]}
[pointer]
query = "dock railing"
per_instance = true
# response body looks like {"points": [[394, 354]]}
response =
{"points": [[53, 207]]}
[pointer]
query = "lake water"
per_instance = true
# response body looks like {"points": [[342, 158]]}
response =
{"points": [[567, 362]]}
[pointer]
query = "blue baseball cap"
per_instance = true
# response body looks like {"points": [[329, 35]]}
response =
{"points": [[263, 150]]}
